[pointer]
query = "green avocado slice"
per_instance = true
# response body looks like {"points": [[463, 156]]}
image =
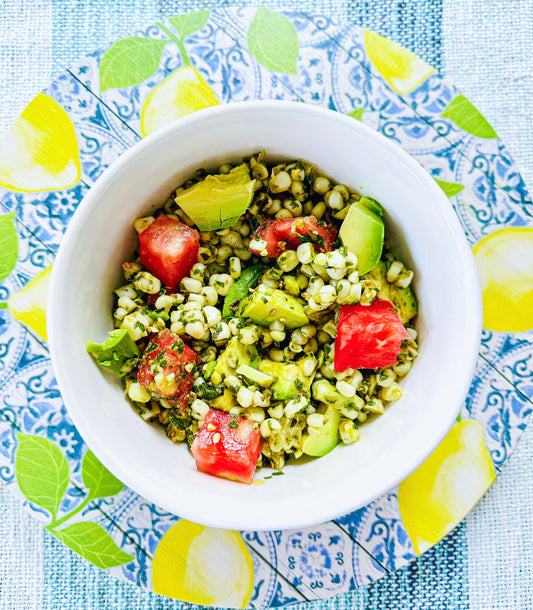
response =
{"points": [[405, 303], [217, 201], [363, 232], [265, 305], [403, 299], [372, 205], [318, 445], [289, 377], [235, 353], [255, 375], [118, 350]]}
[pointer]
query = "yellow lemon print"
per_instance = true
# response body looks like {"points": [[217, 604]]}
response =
{"points": [[403, 70], [40, 150], [183, 92], [505, 264], [445, 488], [203, 565], [29, 304]]}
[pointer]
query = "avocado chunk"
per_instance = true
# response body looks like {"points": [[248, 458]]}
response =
{"points": [[362, 233], [405, 303], [378, 276], [255, 375], [372, 205], [265, 305], [327, 439], [217, 201], [235, 354], [403, 299], [324, 391], [226, 401], [289, 378], [118, 353]]}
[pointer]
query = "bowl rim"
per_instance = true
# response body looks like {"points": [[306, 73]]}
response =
{"points": [[473, 311]]}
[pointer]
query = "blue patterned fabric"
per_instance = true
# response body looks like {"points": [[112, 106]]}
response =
{"points": [[45, 574]]}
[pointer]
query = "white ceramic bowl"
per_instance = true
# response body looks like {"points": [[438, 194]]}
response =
{"points": [[425, 232]]}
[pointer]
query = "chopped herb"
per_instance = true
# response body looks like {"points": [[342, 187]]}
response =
{"points": [[139, 326], [180, 422], [310, 179], [208, 392], [298, 384], [156, 314], [151, 348], [319, 240], [233, 424]]}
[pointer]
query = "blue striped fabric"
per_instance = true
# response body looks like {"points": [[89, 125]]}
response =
{"points": [[437, 580], [80, 26], [415, 25], [440, 579]]}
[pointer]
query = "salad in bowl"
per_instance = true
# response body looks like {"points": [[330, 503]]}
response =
{"points": [[263, 316]]}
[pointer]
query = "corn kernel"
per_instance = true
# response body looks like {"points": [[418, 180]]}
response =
{"points": [[142, 223], [138, 393]]}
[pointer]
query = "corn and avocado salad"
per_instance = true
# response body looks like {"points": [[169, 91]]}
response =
{"points": [[263, 316]]}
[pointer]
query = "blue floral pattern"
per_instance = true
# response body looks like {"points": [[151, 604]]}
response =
{"points": [[333, 70]]}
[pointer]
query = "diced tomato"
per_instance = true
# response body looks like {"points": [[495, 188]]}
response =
{"points": [[294, 231], [368, 336], [266, 232], [169, 249], [227, 447], [167, 354], [289, 233]]}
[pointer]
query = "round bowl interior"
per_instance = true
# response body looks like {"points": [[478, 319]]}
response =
{"points": [[423, 229]]}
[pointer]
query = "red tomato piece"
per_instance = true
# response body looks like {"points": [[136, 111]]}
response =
{"points": [[294, 231], [368, 336], [169, 249], [266, 232], [166, 353], [227, 447], [289, 233]]}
